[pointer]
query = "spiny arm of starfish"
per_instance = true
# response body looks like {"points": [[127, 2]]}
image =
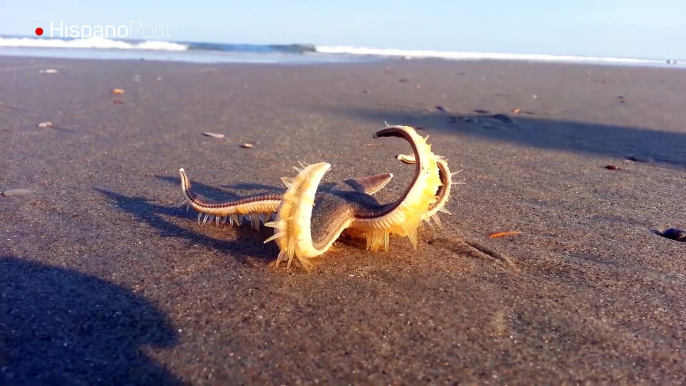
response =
{"points": [[403, 215], [292, 227], [257, 207], [443, 192]]}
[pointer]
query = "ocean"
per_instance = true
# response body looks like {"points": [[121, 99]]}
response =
{"points": [[109, 49]]}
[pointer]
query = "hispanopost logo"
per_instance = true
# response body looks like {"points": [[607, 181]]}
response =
{"points": [[132, 30]]}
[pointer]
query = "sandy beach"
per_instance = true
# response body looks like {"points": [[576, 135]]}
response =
{"points": [[104, 279]]}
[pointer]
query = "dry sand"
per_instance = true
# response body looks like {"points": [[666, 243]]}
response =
{"points": [[103, 279]]}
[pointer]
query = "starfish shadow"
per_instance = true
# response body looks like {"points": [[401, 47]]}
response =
{"points": [[248, 244]]}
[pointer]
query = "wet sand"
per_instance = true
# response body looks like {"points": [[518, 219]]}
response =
{"points": [[104, 279]]}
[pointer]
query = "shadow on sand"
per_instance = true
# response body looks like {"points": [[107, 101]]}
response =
{"points": [[637, 144], [247, 244], [61, 327]]}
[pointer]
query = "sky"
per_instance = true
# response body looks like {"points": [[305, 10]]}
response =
{"points": [[615, 28]]}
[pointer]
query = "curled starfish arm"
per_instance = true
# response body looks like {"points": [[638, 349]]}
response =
{"points": [[404, 215], [256, 208], [443, 192], [292, 227]]}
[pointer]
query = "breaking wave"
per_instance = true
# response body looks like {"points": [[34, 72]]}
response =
{"points": [[104, 43]]}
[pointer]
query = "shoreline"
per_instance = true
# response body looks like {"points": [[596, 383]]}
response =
{"points": [[321, 55]]}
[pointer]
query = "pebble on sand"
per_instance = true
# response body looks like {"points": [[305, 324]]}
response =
{"points": [[45, 124], [674, 234], [117, 91], [611, 167], [247, 145], [213, 135]]}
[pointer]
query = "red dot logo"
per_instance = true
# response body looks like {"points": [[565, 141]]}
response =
{"points": [[39, 31]]}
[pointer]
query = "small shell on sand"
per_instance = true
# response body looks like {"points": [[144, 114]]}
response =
{"points": [[117, 91], [213, 135], [45, 124], [247, 145], [15, 192], [503, 234]]}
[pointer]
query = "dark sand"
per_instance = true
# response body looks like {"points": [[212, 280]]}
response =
{"points": [[103, 278]]}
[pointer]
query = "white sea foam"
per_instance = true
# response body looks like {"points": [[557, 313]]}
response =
{"points": [[479, 55], [95, 42]]}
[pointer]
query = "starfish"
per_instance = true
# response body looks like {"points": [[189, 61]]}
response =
{"points": [[308, 222], [305, 233], [259, 207]]}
